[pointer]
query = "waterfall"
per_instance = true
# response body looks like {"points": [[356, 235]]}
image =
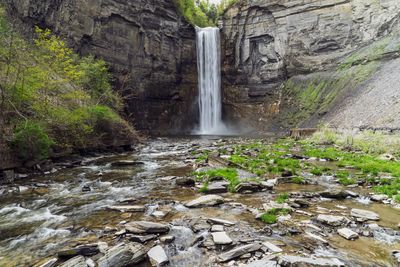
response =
{"points": [[209, 80]]}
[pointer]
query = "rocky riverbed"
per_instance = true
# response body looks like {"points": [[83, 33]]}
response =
{"points": [[151, 208]]}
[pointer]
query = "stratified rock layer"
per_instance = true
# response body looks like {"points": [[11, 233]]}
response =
{"points": [[149, 47], [268, 42]]}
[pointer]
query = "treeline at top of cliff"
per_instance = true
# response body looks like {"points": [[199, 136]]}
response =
{"points": [[52, 100], [203, 13]]}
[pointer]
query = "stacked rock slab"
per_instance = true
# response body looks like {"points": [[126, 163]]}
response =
{"points": [[266, 42]]}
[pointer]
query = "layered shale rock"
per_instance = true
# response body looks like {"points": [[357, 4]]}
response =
{"points": [[268, 42], [149, 47]]}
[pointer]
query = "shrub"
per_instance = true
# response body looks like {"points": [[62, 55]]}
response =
{"points": [[31, 142]]}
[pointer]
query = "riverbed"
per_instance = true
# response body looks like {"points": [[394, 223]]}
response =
{"points": [[45, 214]]}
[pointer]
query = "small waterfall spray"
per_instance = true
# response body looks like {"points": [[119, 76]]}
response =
{"points": [[209, 79]]}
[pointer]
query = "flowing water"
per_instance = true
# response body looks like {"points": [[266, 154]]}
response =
{"points": [[45, 214], [209, 80]]}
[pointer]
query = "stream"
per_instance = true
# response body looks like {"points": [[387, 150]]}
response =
{"points": [[41, 215]]}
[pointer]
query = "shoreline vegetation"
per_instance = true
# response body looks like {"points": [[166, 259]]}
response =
{"points": [[353, 158], [202, 13], [52, 100]]}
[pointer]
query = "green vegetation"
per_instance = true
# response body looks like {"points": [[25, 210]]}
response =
{"points": [[202, 13], [282, 198], [317, 171], [298, 180], [270, 217], [228, 174], [52, 99]]}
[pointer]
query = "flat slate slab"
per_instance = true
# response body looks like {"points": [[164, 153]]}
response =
{"points": [[238, 251], [365, 215], [203, 201], [221, 238], [347, 233]]}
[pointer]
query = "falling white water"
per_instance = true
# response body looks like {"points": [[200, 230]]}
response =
{"points": [[209, 79]]}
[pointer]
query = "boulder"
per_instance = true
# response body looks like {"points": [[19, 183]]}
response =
{"points": [[221, 238], [78, 261], [208, 200], [269, 184], [379, 198], [296, 261], [217, 187], [364, 215], [145, 227], [123, 255], [185, 181], [157, 256], [239, 251], [331, 220], [347, 233], [335, 194]]}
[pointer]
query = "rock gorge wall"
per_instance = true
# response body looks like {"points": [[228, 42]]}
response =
{"points": [[150, 48], [293, 62]]}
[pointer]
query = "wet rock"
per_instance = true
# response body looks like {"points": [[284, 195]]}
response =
{"points": [[217, 187], [331, 219], [239, 251], [143, 227], [78, 261], [275, 205], [271, 247], [141, 238], [123, 255], [364, 215], [335, 194], [90, 262], [167, 239], [86, 189], [379, 198], [262, 263], [124, 163], [396, 255], [128, 208], [269, 184], [316, 237], [185, 181], [47, 263], [157, 256], [292, 261], [84, 250], [248, 187], [208, 200], [217, 228], [287, 173], [220, 221], [199, 224], [347, 233], [221, 238], [159, 214]]}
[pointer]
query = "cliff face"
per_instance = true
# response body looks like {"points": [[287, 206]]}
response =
{"points": [[150, 49], [307, 42]]}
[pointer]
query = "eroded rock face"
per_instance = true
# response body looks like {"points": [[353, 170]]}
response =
{"points": [[266, 42], [149, 47]]}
